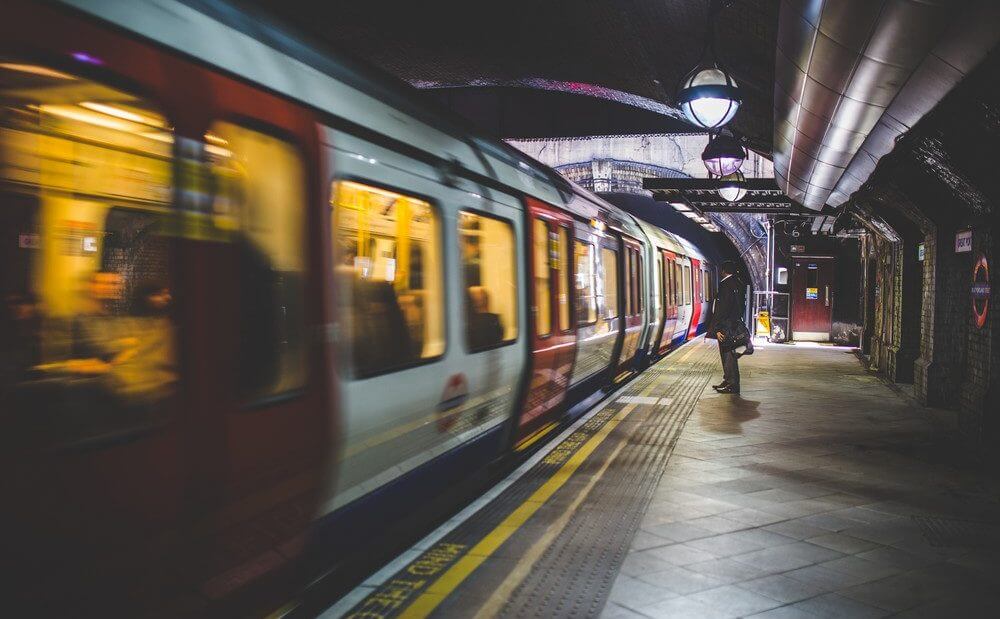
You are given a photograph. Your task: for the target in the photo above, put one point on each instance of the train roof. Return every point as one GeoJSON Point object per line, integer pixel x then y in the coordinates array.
{"type": "Point", "coordinates": [248, 46]}
{"type": "Point", "coordinates": [252, 48]}
{"type": "Point", "coordinates": [661, 238]}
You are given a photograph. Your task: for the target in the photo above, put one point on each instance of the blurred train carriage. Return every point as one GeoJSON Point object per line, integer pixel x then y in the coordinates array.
{"type": "Point", "coordinates": [273, 310]}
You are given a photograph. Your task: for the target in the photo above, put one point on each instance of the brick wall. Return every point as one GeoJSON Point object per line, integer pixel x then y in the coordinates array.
{"type": "Point", "coordinates": [921, 326]}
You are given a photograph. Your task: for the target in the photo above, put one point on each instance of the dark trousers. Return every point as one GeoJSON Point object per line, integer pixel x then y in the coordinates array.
{"type": "Point", "coordinates": [730, 367]}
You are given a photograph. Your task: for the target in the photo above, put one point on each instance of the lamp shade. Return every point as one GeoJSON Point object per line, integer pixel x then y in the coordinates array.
{"type": "Point", "coordinates": [733, 187]}
{"type": "Point", "coordinates": [723, 155]}
{"type": "Point", "coordinates": [709, 97]}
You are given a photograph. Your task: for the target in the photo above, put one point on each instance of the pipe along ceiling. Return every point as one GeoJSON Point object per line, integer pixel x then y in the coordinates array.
{"type": "Point", "coordinates": [853, 75]}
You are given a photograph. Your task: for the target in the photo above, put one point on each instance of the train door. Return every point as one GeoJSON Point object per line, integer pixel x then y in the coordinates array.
{"type": "Point", "coordinates": [658, 307]}
{"type": "Point", "coordinates": [632, 304]}
{"type": "Point", "coordinates": [812, 294]}
{"type": "Point", "coordinates": [553, 330]}
{"type": "Point", "coordinates": [261, 366]}
{"type": "Point", "coordinates": [670, 300]}
{"type": "Point", "coordinates": [696, 296]}
{"type": "Point", "coordinates": [595, 276]}
{"type": "Point", "coordinates": [682, 272]}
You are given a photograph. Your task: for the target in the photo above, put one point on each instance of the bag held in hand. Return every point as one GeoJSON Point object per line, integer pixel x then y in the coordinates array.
{"type": "Point", "coordinates": [736, 337]}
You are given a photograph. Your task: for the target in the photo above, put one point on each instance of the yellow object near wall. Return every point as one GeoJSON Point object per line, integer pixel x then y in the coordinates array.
{"type": "Point", "coordinates": [763, 323]}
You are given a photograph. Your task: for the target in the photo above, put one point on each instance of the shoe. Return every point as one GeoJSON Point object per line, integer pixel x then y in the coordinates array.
{"type": "Point", "coordinates": [721, 385]}
{"type": "Point", "coordinates": [729, 389]}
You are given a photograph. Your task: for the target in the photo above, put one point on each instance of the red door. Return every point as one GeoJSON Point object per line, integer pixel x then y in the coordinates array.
{"type": "Point", "coordinates": [553, 330]}
{"type": "Point", "coordinates": [669, 287]}
{"type": "Point", "coordinates": [695, 297]}
{"type": "Point", "coordinates": [812, 299]}
{"type": "Point", "coordinates": [263, 380]}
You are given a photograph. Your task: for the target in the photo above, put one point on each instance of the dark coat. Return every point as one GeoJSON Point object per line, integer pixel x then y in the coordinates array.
{"type": "Point", "coordinates": [730, 305]}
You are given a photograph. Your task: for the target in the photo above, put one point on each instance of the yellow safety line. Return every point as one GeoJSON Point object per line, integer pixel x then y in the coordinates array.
{"type": "Point", "coordinates": [438, 591]}
{"type": "Point", "coordinates": [502, 593]}
{"type": "Point", "coordinates": [535, 436]}
{"type": "Point", "coordinates": [456, 574]}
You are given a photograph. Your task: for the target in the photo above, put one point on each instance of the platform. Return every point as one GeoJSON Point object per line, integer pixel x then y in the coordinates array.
{"type": "Point", "coordinates": [819, 491]}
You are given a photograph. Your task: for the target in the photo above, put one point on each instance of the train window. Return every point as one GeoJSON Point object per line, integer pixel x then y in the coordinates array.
{"type": "Point", "coordinates": [668, 277]}
{"type": "Point", "coordinates": [88, 335]}
{"type": "Point", "coordinates": [490, 280]}
{"type": "Point", "coordinates": [262, 181]}
{"type": "Point", "coordinates": [609, 262]}
{"type": "Point", "coordinates": [543, 275]}
{"type": "Point", "coordinates": [638, 282]}
{"type": "Point", "coordinates": [389, 273]}
{"type": "Point", "coordinates": [586, 299]}
{"type": "Point", "coordinates": [563, 274]}
{"type": "Point", "coordinates": [629, 280]}
{"type": "Point", "coordinates": [664, 282]}
{"type": "Point", "coordinates": [687, 285]}
{"type": "Point", "coordinates": [678, 285]}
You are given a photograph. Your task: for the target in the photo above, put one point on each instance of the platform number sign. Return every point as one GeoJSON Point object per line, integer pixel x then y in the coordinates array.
{"type": "Point", "coordinates": [980, 291]}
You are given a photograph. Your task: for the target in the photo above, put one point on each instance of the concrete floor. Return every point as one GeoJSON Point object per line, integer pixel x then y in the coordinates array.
{"type": "Point", "coordinates": [819, 492]}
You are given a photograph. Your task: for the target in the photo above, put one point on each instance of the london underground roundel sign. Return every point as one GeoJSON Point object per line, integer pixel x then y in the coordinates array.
{"type": "Point", "coordinates": [980, 290]}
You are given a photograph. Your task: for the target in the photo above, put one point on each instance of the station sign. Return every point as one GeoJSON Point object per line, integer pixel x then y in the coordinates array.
{"type": "Point", "coordinates": [980, 291]}
{"type": "Point", "coordinates": [963, 241]}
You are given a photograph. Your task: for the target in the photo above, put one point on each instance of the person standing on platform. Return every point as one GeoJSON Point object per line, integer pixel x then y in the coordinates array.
{"type": "Point", "coordinates": [726, 317]}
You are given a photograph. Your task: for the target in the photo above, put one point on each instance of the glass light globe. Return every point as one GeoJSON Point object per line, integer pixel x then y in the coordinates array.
{"type": "Point", "coordinates": [709, 97]}
{"type": "Point", "coordinates": [733, 187]}
{"type": "Point", "coordinates": [723, 155]}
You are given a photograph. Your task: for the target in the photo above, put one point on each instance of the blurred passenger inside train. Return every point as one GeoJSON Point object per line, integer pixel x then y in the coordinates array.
{"type": "Point", "coordinates": [146, 375]}
{"type": "Point", "coordinates": [485, 328]}
{"type": "Point", "coordinates": [108, 371]}
{"type": "Point", "coordinates": [411, 303]}
{"type": "Point", "coordinates": [133, 353]}
{"type": "Point", "coordinates": [381, 337]}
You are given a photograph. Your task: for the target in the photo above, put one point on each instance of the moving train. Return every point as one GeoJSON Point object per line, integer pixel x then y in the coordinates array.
{"type": "Point", "coordinates": [259, 303]}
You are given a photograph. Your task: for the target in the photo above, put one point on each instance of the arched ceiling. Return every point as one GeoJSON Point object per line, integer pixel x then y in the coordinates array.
{"type": "Point", "coordinates": [630, 52]}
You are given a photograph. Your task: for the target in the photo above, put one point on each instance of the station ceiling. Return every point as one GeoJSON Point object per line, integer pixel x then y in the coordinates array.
{"type": "Point", "coordinates": [481, 56]}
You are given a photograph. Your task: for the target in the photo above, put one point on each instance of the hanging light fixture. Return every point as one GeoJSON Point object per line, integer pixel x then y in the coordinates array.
{"type": "Point", "coordinates": [723, 155]}
{"type": "Point", "coordinates": [708, 95]}
{"type": "Point", "coordinates": [733, 187]}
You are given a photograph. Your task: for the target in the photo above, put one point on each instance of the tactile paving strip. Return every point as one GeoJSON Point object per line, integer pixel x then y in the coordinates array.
{"type": "Point", "coordinates": [573, 573]}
